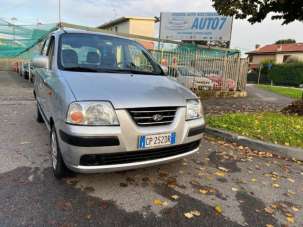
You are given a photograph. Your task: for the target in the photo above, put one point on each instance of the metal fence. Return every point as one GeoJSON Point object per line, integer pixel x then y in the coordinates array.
{"type": "Point", "coordinates": [199, 68]}
{"type": "Point", "coordinates": [200, 72]}
{"type": "Point", "coordinates": [195, 71]}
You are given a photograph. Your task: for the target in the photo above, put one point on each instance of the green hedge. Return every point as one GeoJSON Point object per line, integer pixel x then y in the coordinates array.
{"type": "Point", "coordinates": [252, 77]}
{"type": "Point", "coordinates": [287, 74]}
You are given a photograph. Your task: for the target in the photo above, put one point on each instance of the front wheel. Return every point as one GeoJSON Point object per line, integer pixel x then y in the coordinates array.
{"type": "Point", "coordinates": [58, 164]}
{"type": "Point", "coordinates": [39, 117]}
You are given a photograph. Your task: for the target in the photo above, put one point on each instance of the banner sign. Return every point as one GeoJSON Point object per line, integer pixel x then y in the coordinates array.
{"type": "Point", "coordinates": [195, 26]}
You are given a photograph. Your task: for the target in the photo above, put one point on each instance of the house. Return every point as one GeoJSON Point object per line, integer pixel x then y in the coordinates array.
{"type": "Point", "coordinates": [142, 26]}
{"type": "Point", "coordinates": [278, 53]}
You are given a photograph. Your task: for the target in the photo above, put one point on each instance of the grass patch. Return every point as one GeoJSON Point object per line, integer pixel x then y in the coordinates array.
{"type": "Point", "coordinates": [291, 92]}
{"type": "Point", "coordinates": [271, 127]}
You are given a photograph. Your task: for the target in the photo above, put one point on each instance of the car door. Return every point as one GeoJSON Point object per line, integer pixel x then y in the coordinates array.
{"type": "Point", "coordinates": [39, 84]}
{"type": "Point", "coordinates": [49, 79]}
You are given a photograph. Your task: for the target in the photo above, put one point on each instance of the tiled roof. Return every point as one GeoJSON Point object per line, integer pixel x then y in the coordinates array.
{"type": "Point", "coordinates": [278, 48]}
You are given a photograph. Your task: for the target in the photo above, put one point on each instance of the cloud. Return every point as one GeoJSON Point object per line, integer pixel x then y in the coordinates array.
{"type": "Point", "coordinates": [96, 12]}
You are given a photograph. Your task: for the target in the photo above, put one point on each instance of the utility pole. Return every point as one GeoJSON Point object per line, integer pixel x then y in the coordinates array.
{"type": "Point", "coordinates": [14, 19]}
{"type": "Point", "coordinates": [59, 12]}
{"type": "Point", "coordinates": [158, 19]}
{"type": "Point", "coordinates": [260, 71]}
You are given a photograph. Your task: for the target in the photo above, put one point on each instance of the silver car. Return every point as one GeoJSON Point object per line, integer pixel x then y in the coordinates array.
{"type": "Point", "coordinates": [109, 106]}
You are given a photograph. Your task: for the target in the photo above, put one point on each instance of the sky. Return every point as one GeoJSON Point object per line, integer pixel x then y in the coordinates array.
{"type": "Point", "coordinates": [96, 12]}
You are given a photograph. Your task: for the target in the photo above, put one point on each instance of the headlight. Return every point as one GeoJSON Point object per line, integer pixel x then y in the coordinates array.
{"type": "Point", "coordinates": [193, 109]}
{"type": "Point", "coordinates": [91, 113]}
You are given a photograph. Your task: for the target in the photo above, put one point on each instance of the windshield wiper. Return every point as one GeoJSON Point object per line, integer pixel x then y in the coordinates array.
{"type": "Point", "coordinates": [81, 69]}
{"type": "Point", "coordinates": [131, 71]}
{"type": "Point", "coordinates": [142, 72]}
{"type": "Point", "coordinates": [88, 69]}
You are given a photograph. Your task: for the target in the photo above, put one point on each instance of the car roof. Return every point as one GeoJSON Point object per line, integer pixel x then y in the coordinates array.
{"type": "Point", "coordinates": [73, 30]}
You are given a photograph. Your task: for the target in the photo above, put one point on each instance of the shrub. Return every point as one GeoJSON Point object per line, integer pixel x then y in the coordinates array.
{"type": "Point", "coordinates": [252, 77]}
{"type": "Point", "coordinates": [295, 108]}
{"type": "Point", "coordinates": [287, 74]}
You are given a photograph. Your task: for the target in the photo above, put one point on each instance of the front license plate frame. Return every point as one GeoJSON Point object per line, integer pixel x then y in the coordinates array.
{"type": "Point", "coordinates": [156, 140]}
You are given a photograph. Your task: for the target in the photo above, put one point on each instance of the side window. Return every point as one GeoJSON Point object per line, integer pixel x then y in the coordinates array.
{"type": "Point", "coordinates": [119, 56]}
{"type": "Point", "coordinates": [50, 50]}
{"type": "Point", "coordinates": [45, 47]}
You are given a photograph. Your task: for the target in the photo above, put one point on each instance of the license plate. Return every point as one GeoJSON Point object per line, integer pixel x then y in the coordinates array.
{"type": "Point", "coordinates": [156, 140]}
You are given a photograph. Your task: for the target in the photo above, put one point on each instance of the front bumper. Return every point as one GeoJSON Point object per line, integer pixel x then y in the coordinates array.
{"type": "Point", "coordinates": [128, 166]}
{"type": "Point", "coordinates": [94, 140]}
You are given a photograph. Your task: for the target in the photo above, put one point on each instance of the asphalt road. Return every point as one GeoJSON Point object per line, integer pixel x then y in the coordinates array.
{"type": "Point", "coordinates": [258, 100]}
{"type": "Point", "coordinates": [225, 185]}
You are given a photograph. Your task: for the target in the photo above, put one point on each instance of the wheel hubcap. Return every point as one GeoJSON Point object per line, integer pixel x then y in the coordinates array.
{"type": "Point", "coordinates": [54, 150]}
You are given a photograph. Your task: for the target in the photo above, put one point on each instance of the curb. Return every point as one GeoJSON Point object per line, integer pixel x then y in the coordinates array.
{"type": "Point", "coordinates": [283, 151]}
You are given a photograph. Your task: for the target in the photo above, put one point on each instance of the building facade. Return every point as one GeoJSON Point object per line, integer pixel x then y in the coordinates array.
{"type": "Point", "coordinates": [142, 26]}
{"type": "Point", "coordinates": [277, 53]}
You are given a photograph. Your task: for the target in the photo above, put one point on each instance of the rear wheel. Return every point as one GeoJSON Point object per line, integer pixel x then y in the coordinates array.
{"type": "Point", "coordinates": [58, 164]}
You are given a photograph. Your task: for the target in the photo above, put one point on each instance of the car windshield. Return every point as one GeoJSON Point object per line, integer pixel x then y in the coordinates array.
{"type": "Point", "coordinates": [102, 53]}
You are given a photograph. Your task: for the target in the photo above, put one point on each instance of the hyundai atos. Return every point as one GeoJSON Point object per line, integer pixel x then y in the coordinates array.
{"type": "Point", "coordinates": [109, 106]}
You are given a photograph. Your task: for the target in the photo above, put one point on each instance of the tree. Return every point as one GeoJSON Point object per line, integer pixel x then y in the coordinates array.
{"type": "Point", "coordinates": [257, 10]}
{"type": "Point", "coordinates": [285, 41]}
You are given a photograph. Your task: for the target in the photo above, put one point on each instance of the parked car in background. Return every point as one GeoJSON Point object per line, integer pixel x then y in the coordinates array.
{"type": "Point", "coordinates": [191, 78]}
{"type": "Point", "coordinates": [218, 82]}
{"type": "Point", "coordinates": [109, 106]}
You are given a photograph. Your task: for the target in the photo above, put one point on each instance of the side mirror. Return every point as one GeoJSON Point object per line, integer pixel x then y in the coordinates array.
{"type": "Point", "coordinates": [41, 62]}
{"type": "Point", "coordinates": [165, 69]}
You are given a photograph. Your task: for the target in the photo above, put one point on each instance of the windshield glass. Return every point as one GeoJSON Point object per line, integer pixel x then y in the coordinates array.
{"type": "Point", "coordinates": [101, 53]}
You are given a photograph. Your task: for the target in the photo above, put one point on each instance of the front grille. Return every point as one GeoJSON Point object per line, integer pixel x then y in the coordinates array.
{"type": "Point", "coordinates": [137, 156]}
{"type": "Point", "coordinates": [147, 116]}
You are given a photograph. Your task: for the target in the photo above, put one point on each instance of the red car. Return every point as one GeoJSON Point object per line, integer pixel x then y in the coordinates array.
{"type": "Point", "coordinates": [218, 82]}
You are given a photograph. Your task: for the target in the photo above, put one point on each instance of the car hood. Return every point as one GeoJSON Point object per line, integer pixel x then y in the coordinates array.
{"type": "Point", "coordinates": [127, 91]}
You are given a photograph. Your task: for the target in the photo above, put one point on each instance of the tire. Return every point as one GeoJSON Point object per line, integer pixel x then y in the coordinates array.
{"type": "Point", "coordinates": [39, 117]}
{"type": "Point", "coordinates": [59, 168]}
{"type": "Point", "coordinates": [32, 78]}
{"type": "Point", "coordinates": [25, 75]}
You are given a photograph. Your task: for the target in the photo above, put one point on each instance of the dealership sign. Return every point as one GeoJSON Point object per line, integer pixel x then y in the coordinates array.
{"type": "Point", "coordinates": [195, 26]}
